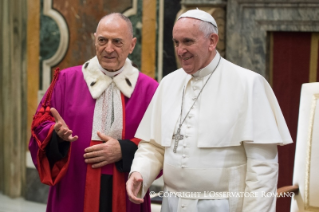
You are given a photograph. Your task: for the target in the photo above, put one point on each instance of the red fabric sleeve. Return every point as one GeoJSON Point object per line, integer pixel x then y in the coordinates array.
{"type": "Point", "coordinates": [47, 175]}
{"type": "Point", "coordinates": [136, 141]}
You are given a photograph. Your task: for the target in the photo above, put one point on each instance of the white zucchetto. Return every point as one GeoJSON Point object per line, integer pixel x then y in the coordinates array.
{"type": "Point", "coordinates": [200, 15]}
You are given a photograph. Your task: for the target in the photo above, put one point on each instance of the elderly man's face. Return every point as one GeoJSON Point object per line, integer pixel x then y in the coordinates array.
{"type": "Point", "coordinates": [113, 42]}
{"type": "Point", "coordinates": [193, 48]}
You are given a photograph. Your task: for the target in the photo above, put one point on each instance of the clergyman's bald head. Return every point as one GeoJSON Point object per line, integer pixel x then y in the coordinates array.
{"type": "Point", "coordinates": [121, 16]}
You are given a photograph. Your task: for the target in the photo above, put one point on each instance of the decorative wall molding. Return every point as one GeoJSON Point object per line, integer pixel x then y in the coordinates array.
{"type": "Point", "coordinates": [277, 5]}
{"type": "Point", "coordinates": [300, 23]}
{"type": "Point", "coordinates": [212, 3]}
{"type": "Point", "coordinates": [63, 46]}
{"type": "Point", "coordinates": [288, 25]}
{"type": "Point", "coordinates": [131, 11]}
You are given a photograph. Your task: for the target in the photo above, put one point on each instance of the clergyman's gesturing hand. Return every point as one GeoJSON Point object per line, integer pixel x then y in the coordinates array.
{"type": "Point", "coordinates": [105, 153]}
{"type": "Point", "coordinates": [61, 128]}
{"type": "Point", "coordinates": [133, 186]}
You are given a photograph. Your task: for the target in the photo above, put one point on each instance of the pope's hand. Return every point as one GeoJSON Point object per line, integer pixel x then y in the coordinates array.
{"type": "Point", "coordinates": [133, 186]}
{"type": "Point", "coordinates": [105, 153]}
{"type": "Point", "coordinates": [61, 128]}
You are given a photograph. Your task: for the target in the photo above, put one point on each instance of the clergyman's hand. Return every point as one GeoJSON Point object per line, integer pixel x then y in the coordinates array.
{"type": "Point", "coordinates": [133, 186]}
{"type": "Point", "coordinates": [61, 128]}
{"type": "Point", "coordinates": [105, 153]}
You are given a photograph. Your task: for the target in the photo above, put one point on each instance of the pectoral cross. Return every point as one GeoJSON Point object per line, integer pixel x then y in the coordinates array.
{"type": "Point", "coordinates": [177, 138]}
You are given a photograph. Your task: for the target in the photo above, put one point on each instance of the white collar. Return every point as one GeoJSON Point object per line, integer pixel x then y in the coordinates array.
{"type": "Point", "coordinates": [97, 81]}
{"type": "Point", "coordinates": [109, 73]}
{"type": "Point", "coordinates": [209, 68]}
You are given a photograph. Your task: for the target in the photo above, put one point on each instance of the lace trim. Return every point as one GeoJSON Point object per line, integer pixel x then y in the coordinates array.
{"type": "Point", "coordinates": [108, 114]}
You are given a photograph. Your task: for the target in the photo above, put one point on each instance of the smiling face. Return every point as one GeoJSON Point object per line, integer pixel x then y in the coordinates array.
{"type": "Point", "coordinates": [194, 49]}
{"type": "Point", "coordinates": [113, 42]}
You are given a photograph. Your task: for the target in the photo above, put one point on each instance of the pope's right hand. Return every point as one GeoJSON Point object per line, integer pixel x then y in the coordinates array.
{"type": "Point", "coordinates": [133, 186]}
{"type": "Point", "coordinates": [61, 128]}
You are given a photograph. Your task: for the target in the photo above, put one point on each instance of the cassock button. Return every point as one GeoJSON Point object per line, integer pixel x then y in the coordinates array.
{"type": "Point", "coordinates": [184, 145]}
{"type": "Point", "coordinates": [183, 166]}
{"type": "Point", "coordinates": [184, 156]}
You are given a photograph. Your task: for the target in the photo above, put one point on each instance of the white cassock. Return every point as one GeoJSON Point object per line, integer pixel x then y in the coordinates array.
{"type": "Point", "coordinates": [227, 160]}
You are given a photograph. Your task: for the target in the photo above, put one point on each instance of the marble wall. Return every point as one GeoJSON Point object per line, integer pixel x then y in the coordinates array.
{"type": "Point", "coordinates": [248, 22]}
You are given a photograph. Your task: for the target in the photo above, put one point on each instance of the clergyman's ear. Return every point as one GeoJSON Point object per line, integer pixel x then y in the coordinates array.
{"type": "Point", "coordinates": [213, 40]}
{"type": "Point", "coordinates": [133, 43]}
{"type": "Point", "coordinates": [94, 40]}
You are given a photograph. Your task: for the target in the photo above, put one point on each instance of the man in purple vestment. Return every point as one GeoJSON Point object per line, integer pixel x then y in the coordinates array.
{"type": "Point", "coordinates": [86, 153]}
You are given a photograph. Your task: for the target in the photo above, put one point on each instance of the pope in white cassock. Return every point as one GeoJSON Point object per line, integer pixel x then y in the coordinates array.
{"type": "Point", "coordinates": [213, 127]}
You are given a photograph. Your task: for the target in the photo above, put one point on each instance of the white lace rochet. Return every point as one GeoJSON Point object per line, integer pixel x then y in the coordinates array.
{"type": "Point", "coordinates": [108, 114]}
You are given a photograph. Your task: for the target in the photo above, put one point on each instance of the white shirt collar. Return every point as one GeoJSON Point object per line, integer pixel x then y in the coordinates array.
{"type": "Point", "coordinates": [209, 68]}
